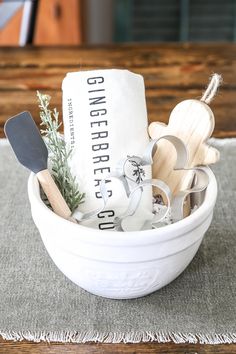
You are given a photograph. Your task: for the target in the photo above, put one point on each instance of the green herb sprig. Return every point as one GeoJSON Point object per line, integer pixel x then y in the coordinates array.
{"type": "Point", "coordinates": [59, 154]}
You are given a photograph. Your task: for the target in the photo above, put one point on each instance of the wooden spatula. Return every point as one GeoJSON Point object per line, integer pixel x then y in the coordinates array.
{"type": "Point", "coordinates": [32, 153]}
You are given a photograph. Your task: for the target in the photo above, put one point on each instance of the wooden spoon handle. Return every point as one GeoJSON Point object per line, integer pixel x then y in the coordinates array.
{"type": "Point", "coordinates": [54, 196]}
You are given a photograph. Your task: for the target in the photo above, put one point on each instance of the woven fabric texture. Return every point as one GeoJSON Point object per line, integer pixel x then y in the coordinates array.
{"type": "Point", "coordinates": [38, 302]}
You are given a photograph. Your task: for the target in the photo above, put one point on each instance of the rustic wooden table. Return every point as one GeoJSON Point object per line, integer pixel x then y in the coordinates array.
{"type": "Point", "coordinates": [172, 72]}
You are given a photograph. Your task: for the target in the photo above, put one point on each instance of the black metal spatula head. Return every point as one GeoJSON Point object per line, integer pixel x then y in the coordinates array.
{"type": "Point", "coordinates": [27, 142]}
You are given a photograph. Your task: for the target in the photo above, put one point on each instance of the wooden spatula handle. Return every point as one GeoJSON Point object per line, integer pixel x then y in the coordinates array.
{"type": "Point", "coordinates": [54, 195]}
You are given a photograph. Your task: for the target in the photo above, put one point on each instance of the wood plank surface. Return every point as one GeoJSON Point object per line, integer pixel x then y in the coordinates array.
{"type": "Point", "coordinates": [171, 72]}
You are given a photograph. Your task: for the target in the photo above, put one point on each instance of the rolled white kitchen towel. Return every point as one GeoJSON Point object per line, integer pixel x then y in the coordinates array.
{"type": "Point", "coordinates": [105, 120]}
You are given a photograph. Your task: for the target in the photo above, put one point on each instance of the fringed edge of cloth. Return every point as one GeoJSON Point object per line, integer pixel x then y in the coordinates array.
{"type": "Point", "coordinates": [118, 337]}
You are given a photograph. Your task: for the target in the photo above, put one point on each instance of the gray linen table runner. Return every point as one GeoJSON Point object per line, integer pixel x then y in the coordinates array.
{"type": "Point", "coordinates": [37, 302]}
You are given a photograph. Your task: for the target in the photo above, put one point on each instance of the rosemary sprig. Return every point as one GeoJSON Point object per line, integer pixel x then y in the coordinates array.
{"type": "Point", "coordinates": [59, 154]}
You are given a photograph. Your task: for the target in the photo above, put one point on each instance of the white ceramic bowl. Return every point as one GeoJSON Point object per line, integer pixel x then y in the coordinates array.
{"type": "Point", "coordinates": [122, 265]}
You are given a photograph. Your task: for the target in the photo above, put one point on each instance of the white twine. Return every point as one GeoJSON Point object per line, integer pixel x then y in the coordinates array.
{"type": "Point", "coordinates": [215, 81]}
